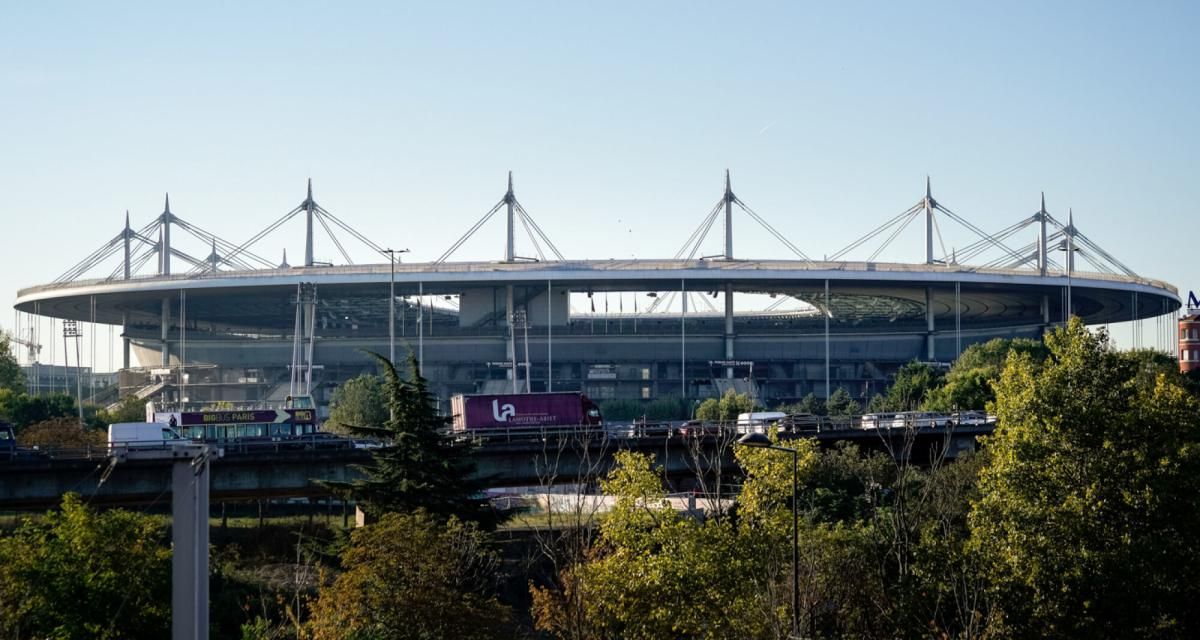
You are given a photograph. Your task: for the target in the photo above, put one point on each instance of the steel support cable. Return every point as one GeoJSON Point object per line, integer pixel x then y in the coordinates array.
{"type": "Point", "coordinates": [538, 228]}
{"type": "Point", "coordinates": [92, 259]}
{"type": "Point", "coordinates": [766, 225]}
{"type": "Point", "coordinates": [938, 231]}
{"type": "Point", "coordinates": [704, 235]}
{"type": "Point", "coordinates": [470, 232]}
{"type": "Point", "coordinates": [187, 257]}
{"type": "Point", "coordinates": [209, 240]}
{"type": "Point", "coordinates": [537, 248]}
{"type": "Point", "coordinates": [874, 232]}
{"type": "Point", "coordinates": [141, 260]}
{"type": "Point", "coordinates": [699, 232]}
{"type": "Point", "coordinates": [261, 234]}
{"type": "Point", "coordinates": [222, 243]}
{"type": "Point", "coordinates": [1098, 264]}
{"type": "Point", "coordinates": [979, 246]}
{"type": "Point", "coordinates": [337, 243]}
{"type": "Point", "coordinates": [351, 230]}
{"type": "Point", "coordinates": [134, 259]}
{"type": "Point", "coordinates": [980, 232]}
{"type": "Point", "coordinates": [1106, 255]}
{"type": "Point", "coordinates": [898, 231]}
{"type": "Point", "coordinates": [1022, 254]}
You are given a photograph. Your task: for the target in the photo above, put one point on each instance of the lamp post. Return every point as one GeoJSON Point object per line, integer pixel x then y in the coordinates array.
{"type": "Point", "coordinates": [761, 441]}
{"type": "Point", "coordinates": [392, 302]}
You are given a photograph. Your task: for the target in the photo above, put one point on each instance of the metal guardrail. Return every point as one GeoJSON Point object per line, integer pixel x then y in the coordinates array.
{"type": "Point", "coordinates": [792, 427]}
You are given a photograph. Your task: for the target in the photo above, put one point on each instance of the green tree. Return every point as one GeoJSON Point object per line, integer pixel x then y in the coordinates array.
{"type": "Point", "coordinates": [359, 402]}
{"type": "Point", "coordinates": [78, 573]}
{"type": "Point", "coordinates": [1086, 519]}
{"type": "Point", "coordinates": [808, 404]}
{"type": "Point", "coordinates": [727, 408]}
{"type": "Point", "coordinates": [23, 409]}
{"type": "Point", "coordinates": [418, 468]}
{"type": "Point", "coordinates": [841, 405]}
{"type": "Point", "coordinates": [129, 409]}
{"type": "Point", "coordinates": [968, 383]}
{"type": "Point", "coordinates": [659, 574]}
{"type": "Point", "coordinates": [413, 576]}
{"type": "Point", "coordinates": [913, 382]}
{"type": "Point", "coordinates": [11, 376]}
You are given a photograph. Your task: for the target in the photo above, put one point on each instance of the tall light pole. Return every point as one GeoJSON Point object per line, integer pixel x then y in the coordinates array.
{"type": "Point", "coordinates": [392, 302]}
{"type": "Point", "coordinates": [761, 441]}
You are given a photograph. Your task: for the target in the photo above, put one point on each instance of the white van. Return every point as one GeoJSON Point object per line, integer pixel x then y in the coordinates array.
{"type": "Point", "coordinates": [757, 422]}
{"type": "Point", "coordinates": [135, 435]}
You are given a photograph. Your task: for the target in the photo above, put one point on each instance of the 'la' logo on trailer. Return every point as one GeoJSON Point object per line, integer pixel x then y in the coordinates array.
{"type": "Point", "coordinates": [502, 412]}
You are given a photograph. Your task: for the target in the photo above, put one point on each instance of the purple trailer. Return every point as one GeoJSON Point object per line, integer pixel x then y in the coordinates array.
{"type": "Point", "coordinates": [523, 410]}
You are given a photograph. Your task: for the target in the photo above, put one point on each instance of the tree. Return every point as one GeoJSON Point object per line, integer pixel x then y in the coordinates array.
{"type": "Point", "coordinates": [78, 573]}
{"type": "Point", "coordinates": [841, 405]}
{"type": "Point", "coordinates": [1086, 520]}
{"type": "Point", "coordinates": [418, 468]}
{"type": "Point", "coordinates": [413, 576]}
{"type": "Point", "coordinates": [23, 409]}
{"type": "Point", "coordinates": [11, 376]}
{"type": "Point", "coordinates": [968, 383]}
{"type": "Point", "coordinates": [658, 574]}
{"type": "Point", "coordinates": [130, 409]}
{"type": "Point", "coordinates": [63, 433]}
{"type": "Point", "coordinates": [359, 402]}
{"type": "Point", "coordinates": [810, 404]}
{"type": "Point", "coordinates": [914, 381]}
{"type": "Point", "coordinates": [727, 408]}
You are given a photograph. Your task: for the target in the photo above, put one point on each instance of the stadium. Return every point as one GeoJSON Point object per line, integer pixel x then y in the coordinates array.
{"type": "Point", "coordinates": [234, 326]}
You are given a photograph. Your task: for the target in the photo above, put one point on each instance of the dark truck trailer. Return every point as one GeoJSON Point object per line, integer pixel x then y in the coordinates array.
{"type": "Point", "coordinates": [508, 411]}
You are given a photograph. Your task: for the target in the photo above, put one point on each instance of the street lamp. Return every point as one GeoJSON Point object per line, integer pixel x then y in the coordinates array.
{"type": "Point", "coordinates": [392, 302]}
{"type": "Point", "coordinates": [761, 441]}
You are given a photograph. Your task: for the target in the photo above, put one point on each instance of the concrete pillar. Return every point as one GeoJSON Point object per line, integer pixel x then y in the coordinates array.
{"type": "Point", "coordinates": [929, 325]}
{"type": "Point", "coordinates": [189, 558]}
{"type": "Point", "coordinates": [511, 348]}
{"type": "Point", "coordinates": [165, 326]}
{"type": "Point", "coordinates": [729, 354]}
{"type": "Point", "coordinates": [125, 340]}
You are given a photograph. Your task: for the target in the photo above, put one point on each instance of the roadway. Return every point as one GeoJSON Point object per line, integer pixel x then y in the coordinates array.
{"type": "Point", "coordinates": [503, 458]}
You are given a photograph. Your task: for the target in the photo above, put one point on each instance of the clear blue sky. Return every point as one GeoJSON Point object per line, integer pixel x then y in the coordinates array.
{"type": "Point", "coordinates": [617, 119]}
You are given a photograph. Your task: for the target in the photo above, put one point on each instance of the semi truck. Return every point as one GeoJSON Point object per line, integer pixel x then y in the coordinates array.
{"type": "Point", "coordinates": [472, 412]}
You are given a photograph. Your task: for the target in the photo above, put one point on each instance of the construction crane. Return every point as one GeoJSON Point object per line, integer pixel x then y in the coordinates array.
{"type": "Point", "coordinates": [33, 349]}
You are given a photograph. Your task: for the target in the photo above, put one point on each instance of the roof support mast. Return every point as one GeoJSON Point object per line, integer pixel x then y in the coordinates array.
{"type": "Point", "coordinates": [729, 199]}
{"type": "Point", "coordinates": [928, 222]}
{"type": "Point", "coordinates": [127, 236]}
{"type": "Point", "coordinates": [509, 201]}
{"type": "Point", "coordinates": [1041, 217]}
{"type": "Point", "coordinates": [164, 251]}
{"type": "Point", "coordinates": [309, 206]}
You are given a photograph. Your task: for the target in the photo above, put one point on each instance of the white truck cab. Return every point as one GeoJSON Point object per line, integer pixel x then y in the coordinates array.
{"type": "Point", "coordinates": [140, 435]}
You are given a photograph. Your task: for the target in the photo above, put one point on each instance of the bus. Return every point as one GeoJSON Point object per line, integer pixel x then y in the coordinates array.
{"type": "Point", "coordinates": [297, 418]}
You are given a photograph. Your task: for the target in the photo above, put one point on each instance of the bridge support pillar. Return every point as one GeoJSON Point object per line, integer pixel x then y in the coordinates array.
{"type": "Point", "coordinates": [189, 557]}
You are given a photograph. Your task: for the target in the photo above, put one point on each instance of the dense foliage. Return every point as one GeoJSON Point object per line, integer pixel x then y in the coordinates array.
{"type": "Point", "coordinates": [77, 573]}
{"type": "Point", "coordinates": [11, 376]}
{"type": "Point", "coordinates": [411, 576]}
{"type": "Point", "coordinates": [417, 468]}
{"type": "Point", "coordinates": [726, 408]}
{"type": "Point", "coordinates": [359, 402]}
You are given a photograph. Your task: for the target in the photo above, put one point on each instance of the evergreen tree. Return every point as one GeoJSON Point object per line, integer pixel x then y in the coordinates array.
{"type": "Point", "coordinates": [418, 468]}
{"type": "Point", "coordinates": [11, 376]}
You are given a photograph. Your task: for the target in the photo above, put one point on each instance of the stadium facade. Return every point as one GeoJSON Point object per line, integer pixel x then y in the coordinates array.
{"type": "Point", "coordinates": [233, 327]}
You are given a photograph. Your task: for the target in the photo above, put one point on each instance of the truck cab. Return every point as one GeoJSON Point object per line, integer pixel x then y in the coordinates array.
{"type": "Point", "coordinates": [8, 441]}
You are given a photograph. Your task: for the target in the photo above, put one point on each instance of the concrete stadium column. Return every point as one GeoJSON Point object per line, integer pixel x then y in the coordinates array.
{"type": "Point", "coordinates": [124, 340]}
{"type": "Point", "coordinates": [929, 326]}
{"type": "Point", "coordinates": [511, 347]}
{"type": "Point", "coordinates": [729, 328]}
{"type": "Point", "coordinates": [1045, 313]}
{"type": "Point", "coordinates": [164, 327]}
